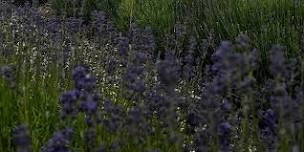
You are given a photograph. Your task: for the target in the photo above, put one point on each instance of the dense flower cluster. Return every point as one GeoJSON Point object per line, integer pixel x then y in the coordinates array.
{"type": "Point", "coordinates": [126, 93]}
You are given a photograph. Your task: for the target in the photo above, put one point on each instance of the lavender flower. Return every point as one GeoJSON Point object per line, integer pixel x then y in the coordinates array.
{"type": "Point", "coordinates": [224, 135]}
{"type": "Point", "coordinates": [82, 80]}
{"type": "Point", "coordinates": [68, 103]}
{"type": "Point", "coordinates": [137, 123]}
{"type": "Point", "coordinates": [200, 141]}
{"type": "Point", "coordinates": [169, 71]}
{"type": "Point", "coordinates": [226, 105]}
{"type": "Point", "coordinates": [277, 59]}
{"type": "Point", "coordinates": [123, 46]}
{"type": "Point", "coordinates": [116, 146]}
{"type": "Point", "coordinates": [80, 72]}
{"type": "Point", "coordinates": [193, 120]}
{"type": "Point", "coordinates": [8, 74]}
{"type": "Point", "coordinates": [22, 139]}
{"type": "Point", "coordinates": [87, 83]}
{"type": "Point", "coordinates": [101, 148]}
{"type": "Point", "coordinates": [268, 126]}
{"type": "Point", "coordinates": [59, 142]}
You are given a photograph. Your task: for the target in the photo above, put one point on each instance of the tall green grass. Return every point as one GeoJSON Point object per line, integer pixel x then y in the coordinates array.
{"type": "Point", "coordinates": [266, 22]}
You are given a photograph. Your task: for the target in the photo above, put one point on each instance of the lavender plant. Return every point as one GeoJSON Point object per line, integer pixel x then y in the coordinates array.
{"type": "Point", "coordinates": [86, 86]}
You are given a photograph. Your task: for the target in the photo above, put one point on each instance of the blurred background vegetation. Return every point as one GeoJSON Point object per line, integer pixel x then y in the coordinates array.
{"type": "Point", "coordinates": [266, 22]}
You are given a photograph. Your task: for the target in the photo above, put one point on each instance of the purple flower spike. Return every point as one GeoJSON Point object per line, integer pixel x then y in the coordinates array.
{"type": "Point", "coordinates": [59, 142]}
{"type": "Point", "coordinates": [80, 72]}
{"type": "Point", "coordinates": [22, 139]}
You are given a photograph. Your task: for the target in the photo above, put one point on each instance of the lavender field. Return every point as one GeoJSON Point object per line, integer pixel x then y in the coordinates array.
{"type": "Point", "coordinates": [103, 82]}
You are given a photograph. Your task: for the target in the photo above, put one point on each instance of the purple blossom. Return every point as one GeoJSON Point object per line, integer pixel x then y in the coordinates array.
{"type": "Point", "coordinates": [22, 139]}
{"type": "Point", "coordinates": [169, 71]}
{"type": "Point", "coordinates": [123, 46]}
{"type": "Point", "coordinates": [80, 72]}
{"type": "Point", "coordinates": [9, 75]}
{"type": "Point", "coordinates": [277, 59]}
{"type": "Point", "coordinates": [68, 101]}
{"type": "Point", "coordinates": [268, 127]}
{"type": "Point", "coordinates": [193, 120]}
{"type": "Point", "coordinates": [59, 142]}
{"type": "Point", "coordinates": [224, 134]}
{"type": "Point", "coordinates": [89, 106]}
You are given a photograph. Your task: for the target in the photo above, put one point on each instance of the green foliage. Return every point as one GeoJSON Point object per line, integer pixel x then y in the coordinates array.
{"type": "Point", "coordinates": [266, 22]}
{"type": "Point", "coordinates": [159, 14]}
{"type": "Point", "coordinates": [76, 8]}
